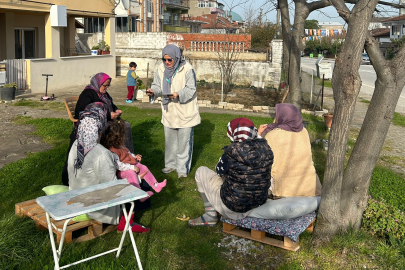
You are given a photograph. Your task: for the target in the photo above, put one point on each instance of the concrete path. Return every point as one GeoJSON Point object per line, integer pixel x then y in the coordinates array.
{"type": "Point", "coordinates": [393, 153]}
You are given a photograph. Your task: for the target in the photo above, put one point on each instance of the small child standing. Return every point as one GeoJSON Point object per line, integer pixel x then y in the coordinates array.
{"type": "Point", "coordinates": [131, 82]}
{"type": "Point", "coordinates": [128, 164]}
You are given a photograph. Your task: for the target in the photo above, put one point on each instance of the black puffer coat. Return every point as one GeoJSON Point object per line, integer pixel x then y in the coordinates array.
{"type": "Point", "coordinates": [247, 180]}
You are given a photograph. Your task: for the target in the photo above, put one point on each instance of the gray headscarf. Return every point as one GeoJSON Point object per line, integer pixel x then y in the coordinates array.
{"type": "Point", "coordinates": [174, 52]}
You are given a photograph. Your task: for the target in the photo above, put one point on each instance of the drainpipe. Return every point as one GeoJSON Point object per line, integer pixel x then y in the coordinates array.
{"type": "Point", "coordinates": [157, 16]}
{"type": "Point", "coordinates": [145, 16]}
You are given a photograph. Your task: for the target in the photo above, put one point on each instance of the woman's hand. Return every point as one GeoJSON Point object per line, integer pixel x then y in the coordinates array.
{"type": "Point", "coordinates": [136, 169]}
{"type": "Point", "coordinates": [115, 115]}
{"type": "Point", "coordinates": [150, 92]}
{"type": "Point", "coordinates": [261, 129]}
{"type": "Point", "coordinates": [138, 158]}
{"type": "Point", "coordinates": [174, 95]}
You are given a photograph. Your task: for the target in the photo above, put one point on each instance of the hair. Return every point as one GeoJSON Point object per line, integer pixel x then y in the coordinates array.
{"type": "Point", "coordinates": [114, 134]}
{"type": "Point", "coordinates": [133, 64]}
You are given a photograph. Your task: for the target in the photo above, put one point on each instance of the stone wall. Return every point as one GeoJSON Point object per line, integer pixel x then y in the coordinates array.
{"type": "Point", "coordinates": [146, 48]}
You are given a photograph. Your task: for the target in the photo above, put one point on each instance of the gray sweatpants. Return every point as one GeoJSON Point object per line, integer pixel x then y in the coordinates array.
{"type": "Point", "coordinates": [179, 148]}
{"type": "Point", "coordinates": [210, 183]}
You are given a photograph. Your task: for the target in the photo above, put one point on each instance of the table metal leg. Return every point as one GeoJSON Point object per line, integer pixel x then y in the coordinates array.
{"type": "Point", "coordinates": [131, 235]}
{"type": "Point", "coordinates": [56, 253]}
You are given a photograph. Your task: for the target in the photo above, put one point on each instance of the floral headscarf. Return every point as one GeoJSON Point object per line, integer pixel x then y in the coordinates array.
{"type": "Point", "coordinates": [95, 84]}
{"type": "Point", "coordinates": [174, 52]}
{"type": "Point", "coordinates": [288, 118]}
{"type": "Point", "coordinates": [89, 126]}
{"type": "Point", "coordinates": [241, 129]}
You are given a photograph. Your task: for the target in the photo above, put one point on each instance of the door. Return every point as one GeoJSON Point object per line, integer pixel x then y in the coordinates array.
{"type": "Point", "coordinates": [24, 43]}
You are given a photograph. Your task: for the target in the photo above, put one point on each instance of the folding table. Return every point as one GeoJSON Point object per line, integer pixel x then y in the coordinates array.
{"type": "Point", "coordinates": [73, 203]}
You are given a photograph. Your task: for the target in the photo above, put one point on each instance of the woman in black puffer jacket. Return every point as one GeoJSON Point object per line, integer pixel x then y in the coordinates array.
{"type": "Point", "coordinates": [243, 176]}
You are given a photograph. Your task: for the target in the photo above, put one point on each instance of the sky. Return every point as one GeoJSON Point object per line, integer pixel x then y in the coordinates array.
{"type": "Point", "coordinates": [327, 14]}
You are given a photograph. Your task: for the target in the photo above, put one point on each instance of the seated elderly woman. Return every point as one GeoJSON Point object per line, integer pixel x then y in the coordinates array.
{"type": "Point", "coordinates": [97, 91]}
{"type": "Point", "coordinates": [242, 180]}
{"type": "Point", "coordinates": [293, 172]}
{"type": "Point", "coordinates": [89, 163]}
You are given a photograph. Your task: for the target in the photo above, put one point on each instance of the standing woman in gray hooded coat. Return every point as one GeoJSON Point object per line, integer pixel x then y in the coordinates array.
{"type": "Point", "coordinates": [175, 82]}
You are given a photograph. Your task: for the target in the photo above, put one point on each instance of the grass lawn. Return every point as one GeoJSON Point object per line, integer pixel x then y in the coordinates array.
{"type": "Point", "coordinates": [170, 244]}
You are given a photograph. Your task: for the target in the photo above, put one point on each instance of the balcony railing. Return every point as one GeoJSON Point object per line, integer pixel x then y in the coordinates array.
{"type": "Point", "coordinates": [182, 3]}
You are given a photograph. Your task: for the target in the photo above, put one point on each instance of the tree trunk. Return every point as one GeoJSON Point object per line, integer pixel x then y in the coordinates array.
{"type": "Point", "coordinates": [301, 13]}
{"type": "Point", "coordinates": [286, 32]}
{"type": "Point", "coordinates": [346, 85]}
{"type": "Point", "coordinates": [389, 84]}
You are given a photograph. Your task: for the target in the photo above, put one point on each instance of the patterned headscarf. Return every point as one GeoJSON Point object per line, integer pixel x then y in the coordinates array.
{"type": "Point", "coordinates": [89, 126]}
{"type": "Point", "coordinates": [241, 129]}
{"type": "Point", "coordinates": [288, 118]}
{"type": "Point", "coordinates": [174, 52]}
{"type": "Point", "coordinates": [95, 84]}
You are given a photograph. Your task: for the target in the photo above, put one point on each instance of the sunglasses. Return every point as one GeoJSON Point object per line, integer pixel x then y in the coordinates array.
{"type": "Point", "coordinates": [167, 59]}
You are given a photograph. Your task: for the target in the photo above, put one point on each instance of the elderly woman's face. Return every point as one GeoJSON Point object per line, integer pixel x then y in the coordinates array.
{"type": "Point", "coordinates": [105, 86]}
{"type": "Point", "coordinates": [169, 62]}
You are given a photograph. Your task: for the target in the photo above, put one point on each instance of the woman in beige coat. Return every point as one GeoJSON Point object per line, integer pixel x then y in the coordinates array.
{"type": "Point", "coordinates": [293, 172]}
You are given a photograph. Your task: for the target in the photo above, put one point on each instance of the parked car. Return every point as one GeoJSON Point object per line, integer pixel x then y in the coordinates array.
{"type": "Point", "coordinates": [366, 59]}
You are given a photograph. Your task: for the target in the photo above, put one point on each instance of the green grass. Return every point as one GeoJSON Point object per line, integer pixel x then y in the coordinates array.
{"type": "Point", "coordinates": [170, 244]}
{"type": "Point", "coordinates": [399, 120]}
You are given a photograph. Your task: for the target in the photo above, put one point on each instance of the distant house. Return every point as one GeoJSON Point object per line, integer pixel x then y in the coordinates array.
{"type": "Point", "coordinates": [215, 24]}
{"type": "Point", "coordinates": [377, 22]}
{"type": "Point", "coordinates": [396, 25]}
{"type": "Point", "coordinates": [330, 25]}
{"type": "Point", "coordinates": [382, 35]}
{"type": "Point", "coordinates": [204, 7]}
{"type": "Point", "coordinates": [39, 38]}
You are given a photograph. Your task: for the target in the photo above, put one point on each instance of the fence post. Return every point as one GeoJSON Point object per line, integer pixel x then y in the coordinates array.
{"type": "Point", "coordinates": [312, 84]}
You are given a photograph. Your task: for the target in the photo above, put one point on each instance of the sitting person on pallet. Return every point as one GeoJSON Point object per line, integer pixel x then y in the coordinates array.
{"type": "Point", "coordinates": [89, 163]}
{"type": "Point", "coordinates": [293, 172]}
{"type": "Point", "coordinates": [128, 163]}
{"type": "Point", "coordinates": [243, 178]}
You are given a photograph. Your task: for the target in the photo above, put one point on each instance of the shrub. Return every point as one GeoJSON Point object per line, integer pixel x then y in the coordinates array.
{"type": "Point", "coordinates": [383, 219]}
{"type": "Point", "coordinates": [9, 85]}
{"type": "Point", "coordinates": [388, 185]}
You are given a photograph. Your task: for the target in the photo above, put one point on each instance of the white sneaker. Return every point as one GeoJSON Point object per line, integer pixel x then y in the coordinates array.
{"type": "Point", "coordinates": [168, 170]}
{"type": "Point", "coordinates": [181, 175]}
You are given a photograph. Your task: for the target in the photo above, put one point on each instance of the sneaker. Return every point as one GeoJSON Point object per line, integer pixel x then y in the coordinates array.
{"type": "Point", "coordinates": [181, 175]}
{"type": "Point", "coordinates": [168, 170]}
{"type": "Point", "coordinates": [128, 101]}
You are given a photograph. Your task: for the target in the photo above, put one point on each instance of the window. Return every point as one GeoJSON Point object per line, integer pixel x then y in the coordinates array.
{"type": "Point", "coordinates": [94, 25]}
{"type": "Point", "coordinates": [121, 24]}
{"type": "Point", "coordinates": [167, 18]}
{"type": "Point", "coordinates": [395, 30]}
{"type": "Point", "coordinates": [24, 43]}
{"type": "Point", "coordinates": [149, 6]}
{"type": "Point", "coordinates": [149, 26]}
{"type": "Point", "coordinates": [176, 19]}
{"type": "Point", "coordinates": [132, 26]}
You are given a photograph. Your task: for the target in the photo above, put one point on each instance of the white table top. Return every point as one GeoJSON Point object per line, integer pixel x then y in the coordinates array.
{"type": "Point", "coordinates": [89, 199]}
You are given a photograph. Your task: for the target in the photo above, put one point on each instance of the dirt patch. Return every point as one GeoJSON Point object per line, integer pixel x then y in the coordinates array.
{"type": "Point", "coordinates": [240, 95]}
{"type": "Point", "coordinates": [16, 141]}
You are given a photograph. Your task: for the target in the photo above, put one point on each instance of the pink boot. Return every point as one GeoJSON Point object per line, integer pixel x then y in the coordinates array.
{"type": "Point", "coordinates": [149, 178]}
{"type": "Point", "coordinates": [158, 186]}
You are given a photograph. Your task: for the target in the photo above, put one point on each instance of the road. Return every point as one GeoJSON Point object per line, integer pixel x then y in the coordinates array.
{"type": "Point", "coordinates": [367, 75]}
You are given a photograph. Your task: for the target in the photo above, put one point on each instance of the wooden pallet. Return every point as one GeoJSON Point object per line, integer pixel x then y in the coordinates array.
{"type": "Point", "coordinates": [33, 210]}
{"type": "Point", "coordinates": [262, 237]}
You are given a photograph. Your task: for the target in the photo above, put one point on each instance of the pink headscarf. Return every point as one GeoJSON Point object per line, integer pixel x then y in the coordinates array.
{"type": "Point", "coordinates": [288, 118]}
{"type": "Point", "coordinates": [95, 84]}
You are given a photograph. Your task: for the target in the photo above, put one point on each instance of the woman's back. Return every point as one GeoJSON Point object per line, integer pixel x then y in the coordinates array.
{"type": "Point", "coordinates": [293, 170]}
